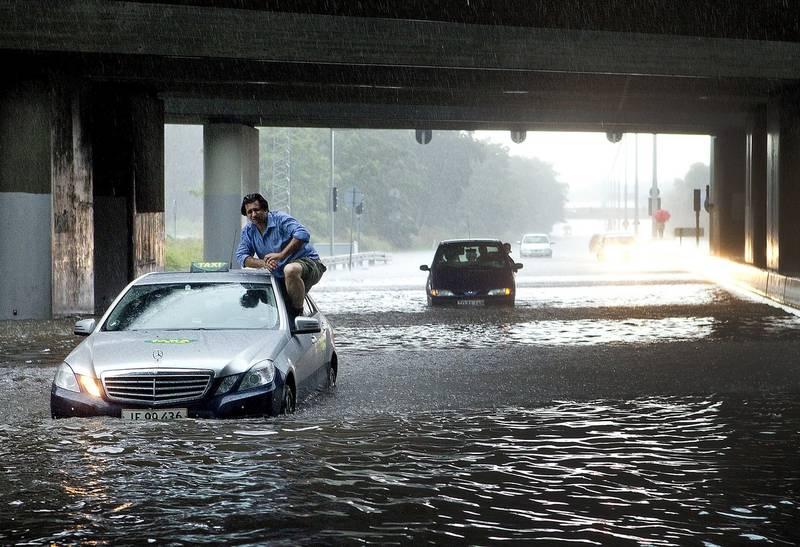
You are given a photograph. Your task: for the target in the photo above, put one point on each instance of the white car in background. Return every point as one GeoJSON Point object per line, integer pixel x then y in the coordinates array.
{"type": "Point", "coordinates": [535, 245]}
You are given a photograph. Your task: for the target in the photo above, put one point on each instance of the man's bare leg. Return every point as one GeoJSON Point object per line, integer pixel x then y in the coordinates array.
{"type": "Point", "coordinates": [294, 285]}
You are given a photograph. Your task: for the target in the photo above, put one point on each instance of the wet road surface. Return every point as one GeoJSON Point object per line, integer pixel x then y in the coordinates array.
{"type": "Point", "coordinates": [644, 407]}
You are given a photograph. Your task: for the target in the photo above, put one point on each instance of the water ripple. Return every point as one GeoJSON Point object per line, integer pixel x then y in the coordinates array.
{"type": "Point", "coordinates": [649, 471]}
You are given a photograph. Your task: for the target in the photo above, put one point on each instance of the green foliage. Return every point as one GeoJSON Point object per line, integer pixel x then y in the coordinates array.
{"type": "Point", "coordinates": [455, 186]}
{"type": "Point", "coordinates": [181, 252]}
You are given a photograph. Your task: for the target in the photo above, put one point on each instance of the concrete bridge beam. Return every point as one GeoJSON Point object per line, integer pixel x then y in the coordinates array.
{"type": "Point", "coordinates": [230, 155]}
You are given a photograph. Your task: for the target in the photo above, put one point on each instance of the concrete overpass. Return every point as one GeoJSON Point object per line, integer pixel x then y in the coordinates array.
{"type": "Point", "coordinates": [89, 85]}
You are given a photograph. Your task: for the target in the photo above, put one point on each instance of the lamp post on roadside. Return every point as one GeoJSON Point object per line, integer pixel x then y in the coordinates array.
{"type": "Point", "coordinates": [625, 191]}
{"type": "Point", "coordinates": [332, 209]}
{"type": "Point", "coordinates": [636, 184]}
{"type": "Point", "coordinates": [655, 201]}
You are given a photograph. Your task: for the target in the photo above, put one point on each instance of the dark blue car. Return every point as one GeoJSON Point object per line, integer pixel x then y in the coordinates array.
{"type": "Point", "coordinates": [471, 272]}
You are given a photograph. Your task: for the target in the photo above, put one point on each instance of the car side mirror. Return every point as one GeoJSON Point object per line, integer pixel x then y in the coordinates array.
{"type": "Point", "coordinates": [424, 268]}
{"type": "Point", "coordinates": [84, 327]}
{"type": "Point", "coordinates": [517, 266]}
{"type": "Point", "coordinates": [306, 325]}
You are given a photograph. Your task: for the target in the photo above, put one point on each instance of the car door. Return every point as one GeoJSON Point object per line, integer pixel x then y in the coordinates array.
{"type": "Point", "coordinates": [309, 366]}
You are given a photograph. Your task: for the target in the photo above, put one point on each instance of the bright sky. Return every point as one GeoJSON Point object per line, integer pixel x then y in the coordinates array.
{"type": "Point", "coordinates": [589, 160]}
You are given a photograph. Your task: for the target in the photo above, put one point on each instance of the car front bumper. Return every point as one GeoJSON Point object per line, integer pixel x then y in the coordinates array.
{"type": "Point", "coordinates": [259, 401]}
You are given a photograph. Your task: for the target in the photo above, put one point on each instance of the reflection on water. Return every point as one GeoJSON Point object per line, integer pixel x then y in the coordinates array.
{"type": "Point", "coordinates": [539, 333]}
{"type": "Point", "coordinates": [658, 471]}
{"type": "Point", "coordinates": [584, 296]}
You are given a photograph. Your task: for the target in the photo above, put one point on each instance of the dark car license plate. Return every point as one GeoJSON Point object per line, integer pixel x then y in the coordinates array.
{"type": "Point", "coordinates": [470, 302]}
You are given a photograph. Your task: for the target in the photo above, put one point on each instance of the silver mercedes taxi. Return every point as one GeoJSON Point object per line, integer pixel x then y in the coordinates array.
{"type": "Point", "coordinates": [197, 345]}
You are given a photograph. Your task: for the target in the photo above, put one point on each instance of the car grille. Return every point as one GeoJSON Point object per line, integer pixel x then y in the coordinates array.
{"type": "Point", "coordinates": [156, 387]}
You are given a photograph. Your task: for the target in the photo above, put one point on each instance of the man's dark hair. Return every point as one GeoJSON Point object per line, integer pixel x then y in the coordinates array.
{"type": "Point", "coordinates": [252, 198]}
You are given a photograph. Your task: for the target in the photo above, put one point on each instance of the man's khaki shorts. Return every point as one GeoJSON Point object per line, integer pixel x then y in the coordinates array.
{"type": "Point", "coordinates": [312, 271]}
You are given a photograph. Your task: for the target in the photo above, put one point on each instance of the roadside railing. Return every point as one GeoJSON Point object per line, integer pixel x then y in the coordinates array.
{"type": "Point", "coordinates": [356, 260]}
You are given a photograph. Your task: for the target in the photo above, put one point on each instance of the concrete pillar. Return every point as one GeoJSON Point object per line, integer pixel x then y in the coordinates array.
{"type": "Point", "coordinates": [73, 207]}
{"type": "Point", "coordinates": [783, 185]}
{"type": "Point", "coordinates": [128, 131]}
{"type": "Point", "coordinates": [727, 215]}
{"type": "Point", "coordinates": [230, 155]}
{"type": "Point", "coordinates": [755, 221]}
{"type": "Point", "coordinates": [25, 202]}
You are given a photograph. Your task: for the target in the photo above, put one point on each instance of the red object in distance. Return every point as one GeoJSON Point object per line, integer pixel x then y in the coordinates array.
{"type": "Point", "coordinates": [661, 215]}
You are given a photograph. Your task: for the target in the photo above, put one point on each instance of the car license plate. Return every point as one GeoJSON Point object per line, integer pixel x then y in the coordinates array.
{"type": "Point", "coordinates": [153, 414]}
{"type": "Point", "coordinates": [470, 302]}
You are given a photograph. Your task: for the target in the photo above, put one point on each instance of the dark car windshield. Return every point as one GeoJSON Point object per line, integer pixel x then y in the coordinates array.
{"type": "Point", "coordinates": [465, 255]}
{"type": "Point", "coordinates": [173, 306]}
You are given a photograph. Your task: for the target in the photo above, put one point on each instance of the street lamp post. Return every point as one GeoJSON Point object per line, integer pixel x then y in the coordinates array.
{"type": "Point", "coordinates": [654, 199]}
{"type": "Point", "coordinates": [636, 184]}
{"type": "Point", "coordinates": [332, 193]}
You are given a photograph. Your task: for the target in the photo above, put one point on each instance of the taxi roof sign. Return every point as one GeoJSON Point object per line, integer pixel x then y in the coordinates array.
{"type": "Point", "coordinates": [198, 267]}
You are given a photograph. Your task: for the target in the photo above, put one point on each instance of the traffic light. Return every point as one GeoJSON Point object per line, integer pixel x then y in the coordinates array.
{"type": "Point", "coordinates": [334, 198]}
{"type": "Point", "coordinates": [360, 208]}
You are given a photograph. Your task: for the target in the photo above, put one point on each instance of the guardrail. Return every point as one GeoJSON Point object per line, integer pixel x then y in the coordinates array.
{"type": "Point", "coordinates": [358, 260]}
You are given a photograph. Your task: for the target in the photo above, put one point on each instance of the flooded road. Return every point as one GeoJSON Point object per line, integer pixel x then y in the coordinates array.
{"type": "Point", "coordinates": [644, 407]}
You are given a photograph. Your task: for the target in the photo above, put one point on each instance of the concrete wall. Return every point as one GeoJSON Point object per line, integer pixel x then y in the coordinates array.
{"type": "Point", "coordinates": [24, 256]}
{"type": "Point", "coordinates": [25, 202]}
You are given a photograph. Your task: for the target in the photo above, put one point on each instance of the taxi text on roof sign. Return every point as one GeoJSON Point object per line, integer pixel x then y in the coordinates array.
{"type": "Point", "coordinates": [209, 267]}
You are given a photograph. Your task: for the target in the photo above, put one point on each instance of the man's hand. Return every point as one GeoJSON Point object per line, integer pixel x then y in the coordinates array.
{"type": "Point", "coordinates": [271, 261]}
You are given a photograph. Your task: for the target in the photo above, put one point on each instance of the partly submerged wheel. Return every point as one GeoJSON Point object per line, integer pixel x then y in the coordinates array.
{"type": "Point", "coordinates": [289, 399]}
{"type": "Point", "coordinates": [330, 383]}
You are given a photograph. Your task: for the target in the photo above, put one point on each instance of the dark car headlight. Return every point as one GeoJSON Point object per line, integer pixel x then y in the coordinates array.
{"type": "Point", "coordinates": [260, 374]}
{"type": "Point", "coordinates": [500, 292]}
{"type": "Point", "coordinates": [441, 292]}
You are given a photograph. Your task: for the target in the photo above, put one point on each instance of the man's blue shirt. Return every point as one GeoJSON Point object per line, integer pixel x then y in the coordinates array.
{"type": "Point", "coordinates": [281, 228]}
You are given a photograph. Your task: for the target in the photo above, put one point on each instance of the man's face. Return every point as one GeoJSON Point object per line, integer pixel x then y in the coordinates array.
{"type": "Point", "coordinates": [255, 213]}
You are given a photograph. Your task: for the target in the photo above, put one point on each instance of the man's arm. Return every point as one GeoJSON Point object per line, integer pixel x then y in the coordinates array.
{"type": "Point", "coordinates": [245, 250]}
{"type": "Point", "coordinates": [271, 260]}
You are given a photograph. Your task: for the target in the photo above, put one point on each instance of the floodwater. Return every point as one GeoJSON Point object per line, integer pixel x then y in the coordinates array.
{"type": "Point", "coordinates": [658, 410]}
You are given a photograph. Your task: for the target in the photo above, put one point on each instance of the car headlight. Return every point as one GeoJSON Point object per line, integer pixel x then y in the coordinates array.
{"type": "Point", "coordinates": [90, 385]}
{"type": "Point", "coordinates": [260, 374]}
{"type": "Point", "coordinates": [500, 292]}
{"type": "Point", "coordinates": [227, 383]}
{"type": "Point", "coordinates": [441, 292]}
{"type": "Point", "coordinates": [65, 378]}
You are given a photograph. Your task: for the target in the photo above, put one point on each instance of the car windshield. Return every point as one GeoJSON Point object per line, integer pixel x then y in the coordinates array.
{"type": "Point", "coordinates": [534, 239]}
{"type": "Point", "coordinates": [465, 255]}
{"type": "Point", "coordinates": [190, 306]}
